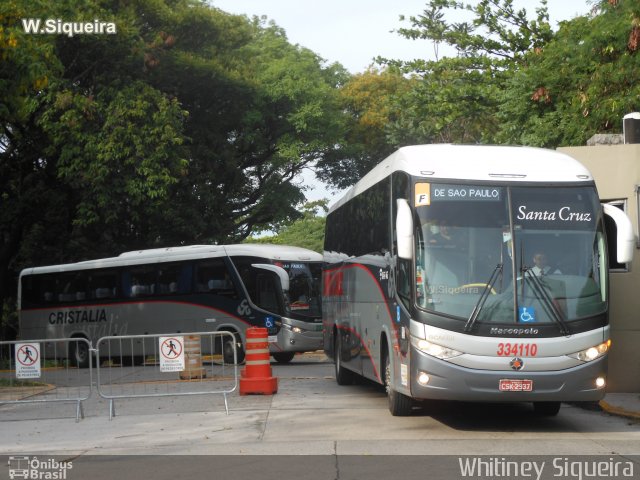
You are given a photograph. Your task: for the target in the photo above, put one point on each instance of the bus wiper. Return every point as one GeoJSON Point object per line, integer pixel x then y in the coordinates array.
{"type": "Point", "coordinates": [488, 286]}
{"type": "Point", "coordinates": [547, 301]}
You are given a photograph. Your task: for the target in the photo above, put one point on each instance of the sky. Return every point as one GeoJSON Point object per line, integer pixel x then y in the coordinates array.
{"type": "Point", "coordinates": [354, 32]}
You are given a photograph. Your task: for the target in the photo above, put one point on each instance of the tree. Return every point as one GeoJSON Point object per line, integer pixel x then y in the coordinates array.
{"type": "Point", "coordinates": [275, 115]}
{"type": "Point", "coordinates": [457, 98]}
{"type": "Point", "coordinates": [370, 101]}
{"type": "Point", "coordinates": [580, 84]}
{"type": "Point", "coordinates": [188, 125]}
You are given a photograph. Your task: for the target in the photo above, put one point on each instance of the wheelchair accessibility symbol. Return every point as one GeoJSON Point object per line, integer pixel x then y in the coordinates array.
{"type": "Point", "coordinates": [268, 322]}
{"type": "Point", "coordinates": [526, 314]}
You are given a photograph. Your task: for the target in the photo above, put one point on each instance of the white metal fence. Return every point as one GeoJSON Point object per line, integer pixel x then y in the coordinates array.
{"type": "Point", "coordinates": [135, 366]}
{"type": "Point", "coordinates": [41, 371]}
{"type": "Point", "coordinates": [132, 366]}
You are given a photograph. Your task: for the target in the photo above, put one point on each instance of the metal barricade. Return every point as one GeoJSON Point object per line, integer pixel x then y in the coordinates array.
{"type": "Point", "coordinates": [42, 371]}
{"type": "Point", "coordinates": [135, 366]}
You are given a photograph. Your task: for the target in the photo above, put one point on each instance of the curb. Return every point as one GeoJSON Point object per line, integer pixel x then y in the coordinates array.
{"type": "Point", "coordinates": [607, 407]}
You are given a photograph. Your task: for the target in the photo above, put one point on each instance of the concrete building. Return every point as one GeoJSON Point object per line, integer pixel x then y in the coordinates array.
{"type": "Point", "coordinates": [616, 169]}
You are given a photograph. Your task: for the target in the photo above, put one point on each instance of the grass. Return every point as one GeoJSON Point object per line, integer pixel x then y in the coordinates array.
{"type": "Point", "coordinates": [4, 382]}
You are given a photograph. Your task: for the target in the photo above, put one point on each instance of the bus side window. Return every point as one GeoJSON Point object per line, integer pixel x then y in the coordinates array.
{"type": "Point", "coordinates": [72, 287]}
{"type": "Point", "coordinates": [212, 276]}
{"type": "Point", "coordinates": [267, 295]}
{"type": "Point", "coordinates": [48, 286]}
{"type": "Point", "coordinates": [143, 282]}
{"type": "Point", "coordinates": [103, 285]}
{"type": "Point", "coordinates": [168, 280]}
{"type": "Point", "coordinates": [400, 189]}
{"type": "Point", "coordinates": [36, 290]}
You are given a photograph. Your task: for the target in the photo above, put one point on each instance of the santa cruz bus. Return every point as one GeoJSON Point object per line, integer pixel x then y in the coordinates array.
{"type": "Point", "coordinates": [473, 273]}
{"type": "Point", "coordinates": [182, 289]}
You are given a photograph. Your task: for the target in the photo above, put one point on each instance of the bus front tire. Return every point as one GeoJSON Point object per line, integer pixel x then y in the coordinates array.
{"type": "Point", "coordinates": [227, 350]}
{"type": "Point", "coordinates": [80, 354]}
{"type": "Point", "coordinates": [399, 405]}
{"type": "Point", "coordinates": [343, 376]}
{"type": "Point", "coordinates": [283, 357]}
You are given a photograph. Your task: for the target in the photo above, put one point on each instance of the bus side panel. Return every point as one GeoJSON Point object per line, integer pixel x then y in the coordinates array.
{"type": "Point", "coordinates": [130, 318]}
{"type": "Point", "coordinates": [370, 307]}
{"type": "Point", "coordinates": [345, 318]}
{"type": "Point", "coordinates": [332, 304]}
{"type": "Point", "coordinates": [356, 303]}
{"type": "Point", "coordinates": [381, 317]}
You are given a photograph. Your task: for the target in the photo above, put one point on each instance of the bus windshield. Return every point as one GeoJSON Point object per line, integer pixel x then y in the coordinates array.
{"type": "Point", "coordinates": [304, 289]}
{"type": "Point", "coordinates": [505, 255]}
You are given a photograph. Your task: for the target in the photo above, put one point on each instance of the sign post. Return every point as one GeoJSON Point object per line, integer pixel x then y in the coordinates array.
{"type": "Point", "coordinates": [171, 354]}
{"type": "Point", "coordinates": [27, 359]}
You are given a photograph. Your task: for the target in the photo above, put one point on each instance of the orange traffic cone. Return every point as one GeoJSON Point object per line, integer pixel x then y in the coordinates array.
{"type": "Point", "coordinates": [256, 376]}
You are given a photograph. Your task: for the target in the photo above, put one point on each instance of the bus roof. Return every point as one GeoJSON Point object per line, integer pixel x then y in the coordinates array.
{"type": "Point", "coordinates": [191, 252]}
{"type": "Point", "coordinates": [474, 162]}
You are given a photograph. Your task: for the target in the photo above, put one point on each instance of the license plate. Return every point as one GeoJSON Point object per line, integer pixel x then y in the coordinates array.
{"type": "Point", "coordinates": [508, 385]}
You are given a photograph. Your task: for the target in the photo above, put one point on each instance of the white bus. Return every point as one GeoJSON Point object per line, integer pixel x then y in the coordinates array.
{"type": "Point", "coordinates": [182, 289]}
{"type": "Point", "coordinates": [473, 273]}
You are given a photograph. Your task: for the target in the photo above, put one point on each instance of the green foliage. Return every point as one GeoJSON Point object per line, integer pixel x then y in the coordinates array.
{"type": "Point", "coordinates": [516, 81]}
{"type": "Point", "coordinates": [455, 99]}
{"type": "Point", "coordinates": [12, 383]}
{"type": "Point", "coordinates": [187, 126]}
{"type": "Point", "coordinates": [305, 232]}
{"type": "Point", "coordinates": [125, 141]}
{"type": "Point", "coordinates": [579, 84]}
{"type": "Point", "coordinates": [372, 103]}
{"type": "Point", "coordinates": [8, 320]}
{"type": "Point", "coordinates": [496, 29]}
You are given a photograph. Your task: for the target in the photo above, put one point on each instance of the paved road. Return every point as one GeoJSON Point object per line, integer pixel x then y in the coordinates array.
{"type": "Point", "coordinates": [310, 415]}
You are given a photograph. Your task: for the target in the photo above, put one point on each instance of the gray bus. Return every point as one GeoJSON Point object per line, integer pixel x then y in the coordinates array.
{"type": "Point", "coordinates": [475, 273]}
{"type": "Point", "coordinates": [182, 289]}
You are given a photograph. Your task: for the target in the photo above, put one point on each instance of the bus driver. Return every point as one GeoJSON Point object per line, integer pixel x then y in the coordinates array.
{"type": "Point", "coordinates": [541, 266]}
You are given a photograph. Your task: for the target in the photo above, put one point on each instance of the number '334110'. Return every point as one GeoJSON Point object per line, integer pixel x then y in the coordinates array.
{"type": "Point", "coordinates": [517, 349]}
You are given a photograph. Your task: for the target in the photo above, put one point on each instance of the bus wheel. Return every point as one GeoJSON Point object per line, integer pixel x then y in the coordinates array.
{"type": "Point", "coordinates": [399, 404]}
{"type": "Point", "coordinates": [80, 354]}
{"type": "Point", "coordinates": [227, 350]}
{"type": "Point", "coordinates": [343, 376]}
{"type": "Point", "coordinates": [283, 357]}
{"type": "Point", "coordinates": [547, 409]}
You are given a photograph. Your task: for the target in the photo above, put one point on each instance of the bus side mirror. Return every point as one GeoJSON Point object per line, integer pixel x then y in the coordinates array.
{"type": "Point", "coordinates": [404, 229]}
{"type": "Point", "coordinates": [624, 238]}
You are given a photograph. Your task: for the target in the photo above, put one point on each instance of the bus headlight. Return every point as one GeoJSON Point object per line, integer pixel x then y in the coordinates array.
{"type": "Point", "coordinates": [592, 353]}
{"type": "Point", "coordinates": [434, 349]}
{"type": "Point", "coordinates": [293, 329]}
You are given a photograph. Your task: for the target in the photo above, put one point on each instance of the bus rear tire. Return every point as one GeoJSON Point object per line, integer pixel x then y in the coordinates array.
{"type": "Point", "coordinates": [343, 376]}
{"type": "Point", "coordinates": [79, 353]}
{"type": "Point", "coordinates": [399, 405]}
{"type": "Point", "coordinates": [283, 357]}
{"type": "Point", "coordinates": [546, 409]}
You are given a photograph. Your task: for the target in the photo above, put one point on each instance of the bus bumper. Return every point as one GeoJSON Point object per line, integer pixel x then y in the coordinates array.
{"type": "Point", "coordinates": [297, 336]}
{"type": "Point", "coordinates": [452, 382]}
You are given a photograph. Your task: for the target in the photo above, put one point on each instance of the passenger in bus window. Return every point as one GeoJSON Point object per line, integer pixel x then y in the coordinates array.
{"type": "Point", "coordinates": [444, 237]}
{"type": "Point", "coordinates": [541, 265]}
